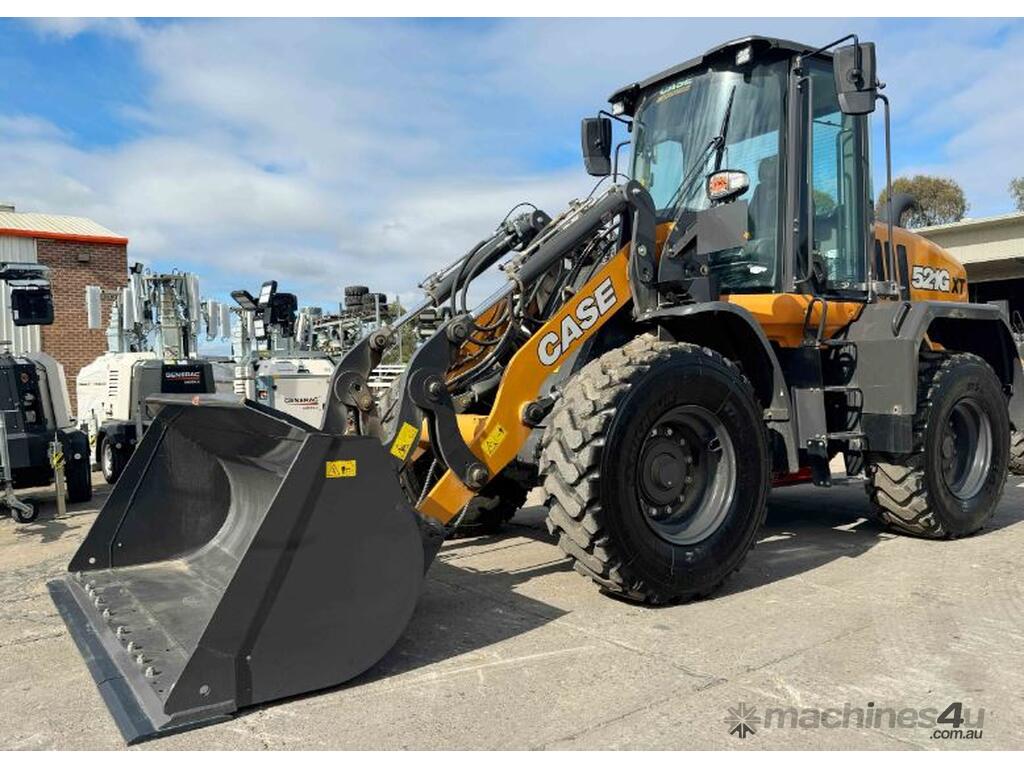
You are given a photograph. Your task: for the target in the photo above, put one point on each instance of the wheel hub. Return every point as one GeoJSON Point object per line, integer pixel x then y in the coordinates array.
{"type": "Point", "coordinates": [966, 449]}
{"type": "Point", "coordinates": [686, 473]}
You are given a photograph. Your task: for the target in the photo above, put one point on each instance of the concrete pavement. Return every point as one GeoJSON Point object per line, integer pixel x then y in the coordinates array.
{"type": "Point", "coordinates": [509, 648]}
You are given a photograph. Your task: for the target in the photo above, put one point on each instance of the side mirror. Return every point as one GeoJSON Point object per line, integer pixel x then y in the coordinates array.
{"type": "Point", "coordinates": [723, 186]}
{"type": "Point", "coordinates": [32, 306]}
{"type": "Point", "coordinates": [856, 86]}
{"type": "Point", "coordinates": [596, 138]}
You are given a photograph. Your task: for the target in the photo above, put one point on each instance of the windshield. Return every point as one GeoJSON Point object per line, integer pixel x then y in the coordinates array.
{"type": "Point", "coordinates": [674, 126]}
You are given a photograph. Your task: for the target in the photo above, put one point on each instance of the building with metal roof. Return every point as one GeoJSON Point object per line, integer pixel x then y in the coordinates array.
{"type": "Point", "coordinates": [992, 250]}
{"type": "Point", "coordinates": [79, 252]}
{"type": "Point", "coordinates": [53, 226]}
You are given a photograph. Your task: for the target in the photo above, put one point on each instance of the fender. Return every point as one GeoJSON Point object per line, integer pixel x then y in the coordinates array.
{"type": "Point", "coordinates": [690, 322]}
{"type": "Point", "coordinates": [889, 336]}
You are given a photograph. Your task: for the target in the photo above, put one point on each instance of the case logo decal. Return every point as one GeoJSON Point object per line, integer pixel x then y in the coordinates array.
{"type": "Point", "coordinates": [553, 344]}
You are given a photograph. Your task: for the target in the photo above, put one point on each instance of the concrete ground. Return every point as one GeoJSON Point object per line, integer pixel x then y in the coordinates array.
{"type": "Point", "coordinates": [510, 649]}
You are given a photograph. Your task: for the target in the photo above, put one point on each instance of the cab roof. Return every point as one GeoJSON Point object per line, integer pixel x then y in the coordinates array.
{"type": "Point", "coordinates": [628, 93]}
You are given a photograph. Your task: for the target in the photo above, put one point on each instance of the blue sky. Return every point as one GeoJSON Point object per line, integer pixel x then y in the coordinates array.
{"type": "Point", "coordinates": [324, 153]}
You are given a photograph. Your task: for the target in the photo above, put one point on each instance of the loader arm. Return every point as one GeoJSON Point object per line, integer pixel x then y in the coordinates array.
{"type": "Point", "coordinates": [469, 466]}
{"type": "Point", "coordinates": [504, 430]}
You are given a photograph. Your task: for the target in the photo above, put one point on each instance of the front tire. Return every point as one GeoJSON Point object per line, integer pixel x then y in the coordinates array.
{"type": "Point", "coordinates": [112, 461]}
{"type": "Point", "coordinates": [656, 470]}
{"type": "Point", "coordinates": [950, 485]}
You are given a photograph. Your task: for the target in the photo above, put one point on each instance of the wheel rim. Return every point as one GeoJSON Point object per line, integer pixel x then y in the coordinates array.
{"type": "Point", "coordinates": [686, 475]}
{"type": "Point", "coordinates": [966, 449]}
{"type": "Point", "coordinates": [108, 460]}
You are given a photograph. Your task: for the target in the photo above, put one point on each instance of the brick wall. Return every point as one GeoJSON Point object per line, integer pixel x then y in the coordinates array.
{"type": "Point", "coordinates": [69, 339]}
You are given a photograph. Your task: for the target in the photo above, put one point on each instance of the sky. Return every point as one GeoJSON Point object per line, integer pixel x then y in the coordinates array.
{"type": "Point", "coordinates": [327, 153]}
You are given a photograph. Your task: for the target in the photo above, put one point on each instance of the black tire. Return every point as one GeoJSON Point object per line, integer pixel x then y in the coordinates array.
{"type": "Point", "coordinates": [492, 507]}
{"type": "Point", "coordinates": [78, 476]}
{"type": "Point", "coordinates": [1017, 452]}
{"type": "Point", "coordinates": [595, 462]}
{"type": "Point", "coordinates": [944, 490]}
{"type": "Point", "coordinates": [112, 461]}
{"type": "Point", "coordinates": [495, 505]}
{"type": "Point", "coordinates": [22, 516]}
{"type": "Point", "coordinates": [354, 296]}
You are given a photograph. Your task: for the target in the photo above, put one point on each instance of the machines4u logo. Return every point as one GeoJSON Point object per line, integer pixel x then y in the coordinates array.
{"type": "Point", "coordinates": [952, 722]}
{"type": "Point", "coordinates": [743, 721]}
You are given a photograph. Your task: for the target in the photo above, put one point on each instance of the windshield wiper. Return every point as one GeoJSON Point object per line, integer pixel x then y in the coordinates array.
{"type": "Point", "coordinates": [723, 131]}
{"type": "Point", "coordinates": [716, 144]}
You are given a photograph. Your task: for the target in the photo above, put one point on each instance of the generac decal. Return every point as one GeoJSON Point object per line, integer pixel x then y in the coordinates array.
{"type": "Point", "coordinates": [553, 345]}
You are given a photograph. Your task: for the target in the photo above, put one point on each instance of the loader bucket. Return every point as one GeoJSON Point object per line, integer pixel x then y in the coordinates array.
{"type": "Point", "coordinates": [242, 557]}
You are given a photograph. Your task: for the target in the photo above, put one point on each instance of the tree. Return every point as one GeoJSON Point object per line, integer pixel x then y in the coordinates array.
{"type": "Point", "coordinates": [940, 200]}
{"type": "Point", "coordinates": [1017, 190]}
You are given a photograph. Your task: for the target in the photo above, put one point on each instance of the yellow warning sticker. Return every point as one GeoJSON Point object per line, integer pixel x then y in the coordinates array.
{"type": "Point", "coordinates": [341, 468]}
{"type": "Point", "coordinates": [495, 438]}
{"type": "Point", "coordinates": [406, 437]}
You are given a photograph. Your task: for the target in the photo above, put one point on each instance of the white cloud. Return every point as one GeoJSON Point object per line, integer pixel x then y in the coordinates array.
{"type": "Point", "coordinates": [324, 153]}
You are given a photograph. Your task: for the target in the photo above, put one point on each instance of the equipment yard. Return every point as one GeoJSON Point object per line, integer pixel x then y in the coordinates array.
{"type": "Point", "coordinates": [508, 648]}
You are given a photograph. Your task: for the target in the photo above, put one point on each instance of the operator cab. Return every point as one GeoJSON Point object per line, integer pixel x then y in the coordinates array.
{"type": "Point", "coordinates": [714, 131]}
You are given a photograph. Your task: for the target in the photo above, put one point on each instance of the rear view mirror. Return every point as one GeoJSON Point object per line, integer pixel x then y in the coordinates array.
{"type": "Point", "coordinates": [32, 305]}
{"type": "Point", "coordinates": [596, 138]}
{"type": "Point", "coordinates": [723, 186]}
{"type": "Point", "coordinates": [856, 86]}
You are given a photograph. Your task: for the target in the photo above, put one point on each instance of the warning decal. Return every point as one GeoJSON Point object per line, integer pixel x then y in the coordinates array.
{"type": "Point", "coordinates": [494, 439]}
{"type": "Point", "coordinates": [341, 468]}
{"type": "Point", "coordinates": [403, 443]}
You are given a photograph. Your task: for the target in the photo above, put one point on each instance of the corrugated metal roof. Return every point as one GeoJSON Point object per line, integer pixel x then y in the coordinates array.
{"type": "Point", "coordinates": [61, 227]}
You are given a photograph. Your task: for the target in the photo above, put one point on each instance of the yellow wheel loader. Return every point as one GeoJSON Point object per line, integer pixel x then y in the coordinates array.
{"type": "Point", "coordinates": [729, 318]}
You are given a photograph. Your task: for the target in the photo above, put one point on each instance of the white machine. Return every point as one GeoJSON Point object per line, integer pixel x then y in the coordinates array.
{"type": "Point", "coordinates": [286, 355]}
{"type": "Point", "coordinates": [152, 340]}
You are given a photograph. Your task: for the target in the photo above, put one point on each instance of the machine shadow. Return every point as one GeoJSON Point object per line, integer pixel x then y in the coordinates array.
{"type": "Point", "coordinates": [462, 611]}
{"type": "Point", "coordinates": [466, 610]}
{"type": "Point", "coordinates": [809, 527]}
{"type": "Point", "coordinates": [49, 526]}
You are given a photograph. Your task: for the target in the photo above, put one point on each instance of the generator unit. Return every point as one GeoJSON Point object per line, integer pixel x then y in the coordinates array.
{"type": "Point", "coordinates": [152, 339]}
{"type": "Point", "coordinates": [278, 363]}
{"type": "Point", "coordinates": [34, 404]}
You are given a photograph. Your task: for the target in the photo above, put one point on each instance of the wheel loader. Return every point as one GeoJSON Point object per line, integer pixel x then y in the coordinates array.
{"type": "Point", "coordinates": [724, 318]}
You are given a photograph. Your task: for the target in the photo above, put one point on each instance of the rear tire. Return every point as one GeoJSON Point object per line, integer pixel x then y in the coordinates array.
{"type": "Point", "coordinates": [79, 480]}
{"type": "Point", "coordinates": [112, 461]}
{"type": "Point", "coordinates": [1017, 452]}
{"type": "Point", "coordinates": [656, 470]}
{"type": "Point", "coordinates": [950, 485]}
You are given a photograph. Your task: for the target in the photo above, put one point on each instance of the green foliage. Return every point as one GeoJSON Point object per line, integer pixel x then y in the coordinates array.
{"type": "Point", "coordinates": [824, 204]}
{"type": "Point", "coordinates": [1017, 191]}
{"type": "Point", "coordinates": [940, 200]}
